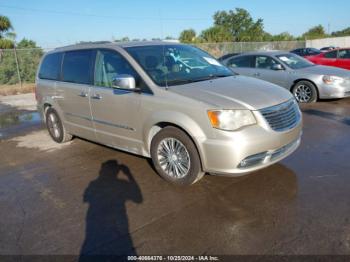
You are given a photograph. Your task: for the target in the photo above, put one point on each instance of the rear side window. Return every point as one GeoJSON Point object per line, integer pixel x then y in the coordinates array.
{"type": "Point", "coordinates": [77, 66]}
{"type": "Point", "coordinates": [51, 66]}
{"type": "Point", "coordinates": [241, 61]}
{"type": "Point", "coordinates": [332, 54]}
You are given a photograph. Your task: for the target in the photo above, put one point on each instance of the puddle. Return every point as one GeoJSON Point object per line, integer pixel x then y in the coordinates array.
{"type": "Point", "coordinates": [18, 118]}
{"type": "Point", "coordinates": [17, 122]}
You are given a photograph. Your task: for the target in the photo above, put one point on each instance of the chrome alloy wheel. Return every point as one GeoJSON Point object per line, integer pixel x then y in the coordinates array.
{"type": "Point", "coordinates": [53, 125]}
{"type": "Point", "coordinates": [173, 158]}
{"type": "Point", "coordinates": [303, 93]}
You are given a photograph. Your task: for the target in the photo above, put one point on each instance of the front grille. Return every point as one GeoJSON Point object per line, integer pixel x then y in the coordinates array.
{"type": "Point", "coordinates": [282, 117]}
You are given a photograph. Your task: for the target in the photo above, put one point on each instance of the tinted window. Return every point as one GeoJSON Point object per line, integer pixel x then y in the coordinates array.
{"type": "Point", "coordinates": [344, 54]}
{"type": "Point", "coordinates": [77, 66]}
{"type": "Point", "coordinates": [110, 64]}
{"type": "Point", "coordinates": [51, 66]}
{"type": "Point", "coordinates": [332, 54]}
{"type": "Point", "coordinates": [313, 51]}
{"type": "Point", "coordinates": [264, 62]}
{"type": "Point", "coordinates": [241, 61]}
{"type": "Point", "coordinates": [298, 51]}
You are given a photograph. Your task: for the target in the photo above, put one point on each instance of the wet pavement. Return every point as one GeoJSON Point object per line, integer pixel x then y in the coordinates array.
{"type": "Point", "coordinates": [87, 198]}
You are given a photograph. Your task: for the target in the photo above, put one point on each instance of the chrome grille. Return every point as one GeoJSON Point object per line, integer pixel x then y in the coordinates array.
{"type": "Point", "coordinates": [282, 117]}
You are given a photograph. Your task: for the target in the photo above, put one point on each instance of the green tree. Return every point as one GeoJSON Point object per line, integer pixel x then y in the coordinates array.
{"type": "Point", "coordinates": [216, 34]}
{"type": "Point", "coordinates": [344, 32]}
{"type": "Point", "coordinates": [315, 33]}
{"type": "Point", "coordinates": [285, 36]}
{"type": "Point", "coordinates": [5, 27]}
{"type": "Point", "coordinates": [240, 25]}
{"type": "Point", "coordinates": [187, 36]}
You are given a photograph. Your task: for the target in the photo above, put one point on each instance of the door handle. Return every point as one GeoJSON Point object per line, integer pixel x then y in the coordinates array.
{"type": "Point", "coordinates": [83, 94]}
{"type": "Point", "coordinates": [97, 96]}
{"type": "Point", "coordinates": [256, 74]}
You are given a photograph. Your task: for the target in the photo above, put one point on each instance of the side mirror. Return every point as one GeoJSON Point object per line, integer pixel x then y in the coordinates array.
{"type": "Point", "coordinates": [277, 67]}
{"type": "Point", "coordinates": [125, 82]}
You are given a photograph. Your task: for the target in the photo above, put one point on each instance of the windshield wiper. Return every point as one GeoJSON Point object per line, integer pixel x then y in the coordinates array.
{"type": "Point", "coordinates": [210, 77]}
{"type": "Point", "coordinates": [188, 81]}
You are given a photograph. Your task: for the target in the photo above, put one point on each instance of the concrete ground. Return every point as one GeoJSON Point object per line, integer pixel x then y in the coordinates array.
{"type": "Point", "coordinates": [86, 198]}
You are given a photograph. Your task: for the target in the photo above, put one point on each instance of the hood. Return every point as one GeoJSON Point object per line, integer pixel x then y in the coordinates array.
{"type": "Point", "coordinates": [235, 92]}
{"type": "Point", "coordinates": [326, 70]}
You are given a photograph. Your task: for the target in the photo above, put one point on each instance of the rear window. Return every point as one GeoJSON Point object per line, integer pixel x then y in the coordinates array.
{"type": "Point", "coordinates": [51, 66]}
{"type": "Point", "coordinates": [77, 67]}
{"type": "Point", "coordinates": [332, 54]}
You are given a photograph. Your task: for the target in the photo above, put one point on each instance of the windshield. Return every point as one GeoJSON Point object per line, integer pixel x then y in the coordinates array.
{"type": "Point", "coordinates": [294, 61]}
{"type": "Point", "coordinates": [170, 65]}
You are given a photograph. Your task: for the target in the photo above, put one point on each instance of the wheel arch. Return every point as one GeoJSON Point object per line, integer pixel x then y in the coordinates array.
{"type": "Point", "coordinates": [307, 80]}
{"type": "Point", "coordinates": [185, 124]}
{"type": "Point", "coordinates": [159, 126]}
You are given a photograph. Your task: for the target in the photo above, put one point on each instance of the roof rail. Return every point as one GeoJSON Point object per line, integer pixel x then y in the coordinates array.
{"type": "Point", "coordinates": [86, 43]}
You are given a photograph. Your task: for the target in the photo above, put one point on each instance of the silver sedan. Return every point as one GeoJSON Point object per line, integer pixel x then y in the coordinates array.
{"type": "Point", "coordinates": [307, 81]}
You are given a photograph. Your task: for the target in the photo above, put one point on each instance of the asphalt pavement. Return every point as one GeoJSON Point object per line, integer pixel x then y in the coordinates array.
{"type": "Point", "coordinates": [85, 198]}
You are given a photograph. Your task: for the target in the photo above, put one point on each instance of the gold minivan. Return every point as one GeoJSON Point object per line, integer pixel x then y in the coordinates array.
{"type": "Point", "coordinates": [171, 102]}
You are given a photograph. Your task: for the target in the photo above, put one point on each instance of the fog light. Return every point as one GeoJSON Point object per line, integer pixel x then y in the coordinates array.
{"type": "Point", "coordinates": [252, 160]}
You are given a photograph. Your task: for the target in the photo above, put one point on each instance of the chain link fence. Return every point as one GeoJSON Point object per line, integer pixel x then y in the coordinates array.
{"type": "Point", "coordinates": [219, 49]}
{"type": "Point", "coordinates": [18, 66]}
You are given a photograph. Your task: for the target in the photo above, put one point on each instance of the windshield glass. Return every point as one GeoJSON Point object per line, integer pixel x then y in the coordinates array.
{"type": "Point", "coordinates": [294, 61]}
{"type": "Point", "coordinates": [170, 65]}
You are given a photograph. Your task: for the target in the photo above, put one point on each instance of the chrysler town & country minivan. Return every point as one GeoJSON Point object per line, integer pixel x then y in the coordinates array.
{"type": "Point", "coordinates": [171, 102]}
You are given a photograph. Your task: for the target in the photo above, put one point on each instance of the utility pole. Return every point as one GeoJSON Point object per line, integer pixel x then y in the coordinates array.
{"type": "Point", "coordinates": [329, 28]}
{"type": "Point", "coordinates": [17, 65]}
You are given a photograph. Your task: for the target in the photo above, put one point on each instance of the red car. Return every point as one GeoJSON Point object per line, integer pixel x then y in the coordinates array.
{"type": "Point", "coordinates": [338, 58]}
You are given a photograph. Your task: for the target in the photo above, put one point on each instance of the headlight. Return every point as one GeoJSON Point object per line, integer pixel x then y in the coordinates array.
{"type": "Point", "coordinates": [230, 120]}
{"type": "Point", "coordinates": [332, 79]}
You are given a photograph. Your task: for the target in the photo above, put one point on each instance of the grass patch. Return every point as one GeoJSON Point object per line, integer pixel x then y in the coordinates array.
{"type": "Point", "coordinates": [6, 90]}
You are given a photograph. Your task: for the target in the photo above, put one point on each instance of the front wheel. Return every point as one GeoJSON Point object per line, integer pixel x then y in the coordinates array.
{"type": "Point", "coordinates": [175, 157]}
{"type": "Point", "coordinates": [305, 92]}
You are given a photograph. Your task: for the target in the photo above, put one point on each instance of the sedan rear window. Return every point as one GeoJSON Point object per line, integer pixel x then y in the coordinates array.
{"type": "Point", "coordinates": [241, 61]}
{"type": "Point", "coordinates": [332, 54]}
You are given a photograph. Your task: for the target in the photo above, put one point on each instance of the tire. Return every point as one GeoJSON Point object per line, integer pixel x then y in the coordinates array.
{"type": "Point", "coordinates": [173, 168]}
{"type": "Point", "coordinates": [305, 92]}
{"type": "Point", "coordinates": [55, 127]}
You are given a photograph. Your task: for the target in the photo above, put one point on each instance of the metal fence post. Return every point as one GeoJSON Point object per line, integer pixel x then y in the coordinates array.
{"type": "Point", "coordinates": [17, 65]}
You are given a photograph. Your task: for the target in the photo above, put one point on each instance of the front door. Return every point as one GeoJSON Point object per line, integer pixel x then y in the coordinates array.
{"type": "Point", "coordinates": [115, 111]}
{"type": "Point", "coordinates": [264, 70]}
{"type": "Point", "coordinates": [329, 58]}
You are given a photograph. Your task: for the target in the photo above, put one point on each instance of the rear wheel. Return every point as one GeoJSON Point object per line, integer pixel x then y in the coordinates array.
{"type": "Point", "coordinates": [175, 157]}
{"type": "Point", "coordinates": [305, 92]}
{"type": "Point", "coordinates": [55, 127]}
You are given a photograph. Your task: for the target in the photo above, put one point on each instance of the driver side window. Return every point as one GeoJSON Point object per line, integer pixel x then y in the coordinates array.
{"type": "Point", "coordinates": [110, 64]}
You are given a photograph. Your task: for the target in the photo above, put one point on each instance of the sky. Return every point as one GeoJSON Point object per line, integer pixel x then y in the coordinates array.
{"type": "Point", "coordinates": [56, 23]}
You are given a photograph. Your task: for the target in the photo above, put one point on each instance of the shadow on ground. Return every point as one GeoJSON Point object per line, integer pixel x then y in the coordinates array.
{"type": "Point", "coordinates": [108, 194]}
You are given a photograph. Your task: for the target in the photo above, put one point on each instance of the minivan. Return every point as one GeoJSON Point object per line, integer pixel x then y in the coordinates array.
{"type": "Point", "coordinates": [170, 102]}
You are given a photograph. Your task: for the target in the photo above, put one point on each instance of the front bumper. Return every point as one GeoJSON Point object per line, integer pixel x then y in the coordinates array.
{"type": "Point", "coordinates": [334, 90]}
{"type": "Point", "coordinates": [224, 155]}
